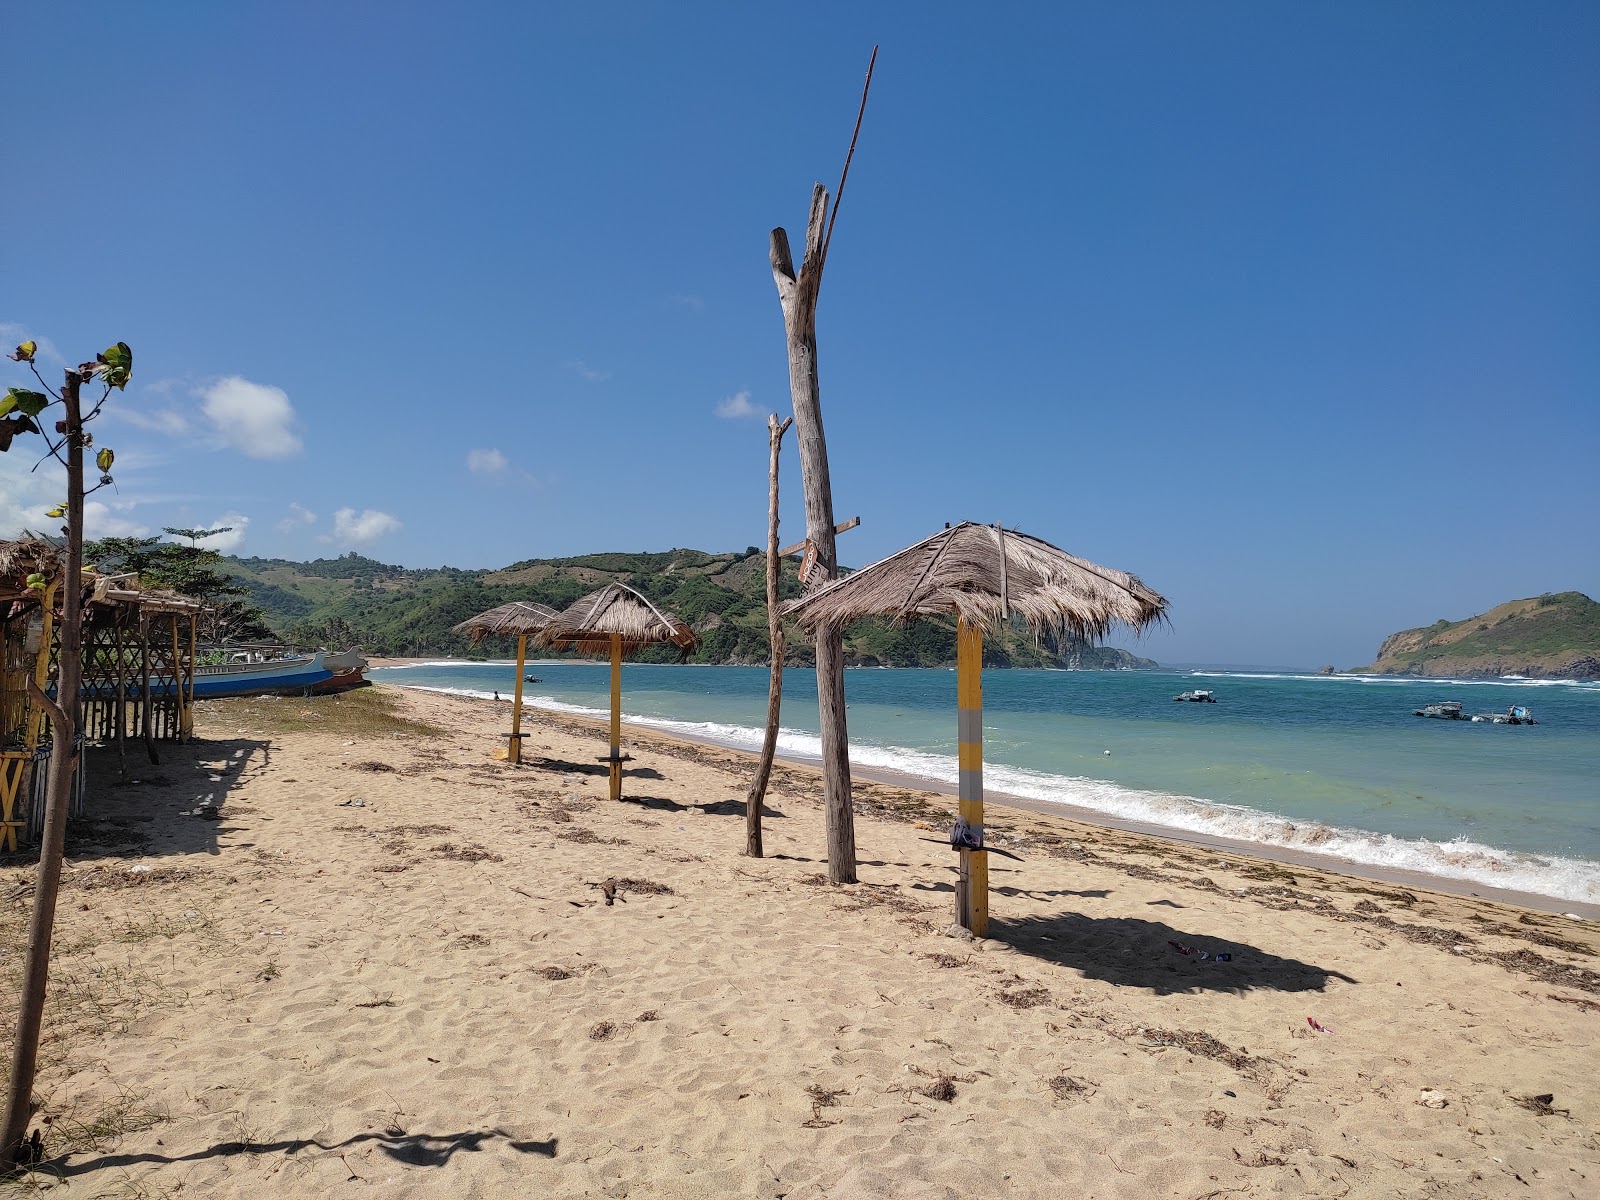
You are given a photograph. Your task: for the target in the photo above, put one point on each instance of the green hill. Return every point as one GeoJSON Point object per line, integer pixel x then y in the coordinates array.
{"type": "Point", "coordinates": [1554, 636]}
{"type": "Point", "coordinates": [392, 610]}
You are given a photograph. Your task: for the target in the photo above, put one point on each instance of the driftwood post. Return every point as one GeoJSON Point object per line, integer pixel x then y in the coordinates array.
{"type": "Point", "coordinates": [769, 742]}
{"type": "Point", "coordinates": [797, 293]}
{"type": "Point", "coordinates": [63, 768]}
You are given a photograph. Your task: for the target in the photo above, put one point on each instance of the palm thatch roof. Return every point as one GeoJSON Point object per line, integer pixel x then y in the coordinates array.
{"type": "Point", "coordinates": [986, 575]}
{"type": "Point", "coordinates": [518, 618]}
{"type": "Point", "coordinates": [588, 624]}
{"type": "Point", "coordinates": [23, 557]}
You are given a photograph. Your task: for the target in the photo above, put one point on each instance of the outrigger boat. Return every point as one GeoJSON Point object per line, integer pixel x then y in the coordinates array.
{"type": "Point", "coordinates": [1198, 696]}
{"type": "Point", "coordinates": [1448, 710]}
{"type": "Point", "coordinates": [1517, 714]}
{"type": "Point", "coordinates": [273, 677]}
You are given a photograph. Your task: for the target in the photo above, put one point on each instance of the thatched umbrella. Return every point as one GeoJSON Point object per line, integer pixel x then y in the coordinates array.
{"type": "Point", "coordinates": [615, 618]}
{"type": "Point", "coordinates": [985, 575]}
{"type": "Point", "coordinates": [522, 618]}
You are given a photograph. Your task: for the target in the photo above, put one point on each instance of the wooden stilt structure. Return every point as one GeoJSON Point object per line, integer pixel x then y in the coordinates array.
{"type": "Point", "coordinates": [522, 618]}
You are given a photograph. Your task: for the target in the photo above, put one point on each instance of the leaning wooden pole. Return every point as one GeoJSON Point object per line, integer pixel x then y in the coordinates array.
{"type": "Point", "coordinates": [972, 891]}
{"type": "Point", "coordinates": [769, 741]}
{"type": "Point", "coordinates": [616, 716]}
{"type": "Point", "coordinates": [63, 712]}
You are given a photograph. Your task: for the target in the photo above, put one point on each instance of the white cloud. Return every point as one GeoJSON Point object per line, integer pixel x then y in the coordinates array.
{"type": "Point", "coordinates": [253, 418]}
{"type": "Point", "coordinates": [225, 543]}
{"type": "Point", "coordinates": [168, 421]}
{"type": "Point", "coordinates": [736, 406]}
{"type": "Point", "coordinates": [352, 528]}
{"type": "Point", "coordinates": [298, 515]}
{"type": "Point", "coordinates": [99, 521]}
{"type": "Point", "coordinates": [592, 374]}
{"type": "Point", "coordinates": [486, 462]}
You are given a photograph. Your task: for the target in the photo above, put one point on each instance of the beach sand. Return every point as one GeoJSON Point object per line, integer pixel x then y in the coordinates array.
{"type": "Point", "coordinates": [388, 966]}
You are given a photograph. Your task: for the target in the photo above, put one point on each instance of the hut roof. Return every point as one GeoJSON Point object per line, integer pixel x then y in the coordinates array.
{"type": "Point", "coordinates": [616, 608]}
{"type": "Point", "coordinates": [986, 574]}
{"type": "Point", "coordinates": [22, 557]}
{"type": "Point", "coordinates": [517, 618]}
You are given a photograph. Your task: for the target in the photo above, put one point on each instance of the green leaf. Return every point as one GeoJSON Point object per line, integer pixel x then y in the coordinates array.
{"type": "Point", "coordinates": [118, 365]}
{"type": "Point", "coordinates": [104, 459]}
{"type": "Point", "coordinates": [36, 580]}
{"type": "Point", "coordinates": [59, 510]}
{"type": "Point", "coordinates": [24, 352]}
{"type": "Point", "coordinates": [32, 403]}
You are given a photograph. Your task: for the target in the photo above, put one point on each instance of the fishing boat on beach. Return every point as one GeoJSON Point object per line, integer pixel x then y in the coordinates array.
{"type": "Point", "coordinates": [281, 676]}
{"type": "Point", "coordinates": [348, 667]}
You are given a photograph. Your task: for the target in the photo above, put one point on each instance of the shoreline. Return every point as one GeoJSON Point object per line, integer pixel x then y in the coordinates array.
{"type": "Point", "coordinates": [1265, 852]}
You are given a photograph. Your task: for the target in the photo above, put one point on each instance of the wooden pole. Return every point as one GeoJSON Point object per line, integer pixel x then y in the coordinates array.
{"type": "Point", "coordinates": [63, 712]}
{"type": "Point", "coordinates": [188, 712]}
{"type": "Point", "coordinates": [616, 716]}
{"type": "Point", "coordinates": [122, 705]}
{"type": "Point", "coordinates": [514, 744]}
{"type": "Point", "coordinates": [769, 740]}
{"type": "Point", "coordinates": [797, 294]}
{"type": "Point", "coordinates": [972, 892]}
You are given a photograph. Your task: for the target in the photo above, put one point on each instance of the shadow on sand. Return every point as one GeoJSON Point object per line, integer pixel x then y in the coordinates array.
{"type": "Point", "coordinates": [1133, 952]}
{"type": "Point", "coordinates": [413, 1149]}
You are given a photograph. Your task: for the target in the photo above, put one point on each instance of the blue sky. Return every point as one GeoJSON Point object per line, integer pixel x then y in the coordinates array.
{"type": "Point", "coordinates": [1289, 309]}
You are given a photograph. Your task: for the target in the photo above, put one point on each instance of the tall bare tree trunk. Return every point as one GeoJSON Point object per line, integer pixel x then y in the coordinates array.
{"type": "Point", "coordinates": [769, 742]}
{"type": "Point", "coordinates": [798, 296]}
{"type": "Point", "coordinates": [63, 712]}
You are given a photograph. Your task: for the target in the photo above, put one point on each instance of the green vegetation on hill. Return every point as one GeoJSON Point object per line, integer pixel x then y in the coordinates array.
{"type": "Point", "coordinates": [392, 610]}
{"type": "Point", "coordinates": [1554, 636]}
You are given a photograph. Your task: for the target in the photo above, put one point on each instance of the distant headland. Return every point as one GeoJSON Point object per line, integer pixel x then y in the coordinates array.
{"type": "Point", "coordinates": [1553, 636]}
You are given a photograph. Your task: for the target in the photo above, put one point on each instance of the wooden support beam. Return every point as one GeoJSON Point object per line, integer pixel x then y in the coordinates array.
{"type": "Point", "coordinates": [513, 752]}
{"type": "Point", "coordinates": [799, 548]}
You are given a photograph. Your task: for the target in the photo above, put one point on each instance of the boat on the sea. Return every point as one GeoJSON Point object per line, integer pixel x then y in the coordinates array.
{"type": "Point", "coordinates": [280, 676]}
{"type": "Point", "coordinates": [531, 679]}
{"type": "Point", "coordinates": [1448, 710]}
{"type": "Point", "coordinates": [1197, 696]}
{"type": "Point", "coordinates": [1517, 714]}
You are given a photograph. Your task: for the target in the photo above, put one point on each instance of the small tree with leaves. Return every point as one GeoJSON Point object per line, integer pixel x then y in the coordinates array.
{"type": "Point", "coordinates": [193, 570]}
{"type": "Point", "coordinates": [66, 441]}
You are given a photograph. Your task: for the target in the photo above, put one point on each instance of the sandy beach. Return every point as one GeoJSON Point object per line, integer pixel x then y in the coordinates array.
{"type": "Point", "coordinates": [333, 948]}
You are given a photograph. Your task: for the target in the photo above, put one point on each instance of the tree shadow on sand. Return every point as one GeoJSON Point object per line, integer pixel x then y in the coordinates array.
{"type": "Point", "coordinates": [714, 808]}
{"type": "Point", "coordinates": [1132, 952]}
{"type": "Point", "coordinates": [414, 1149]}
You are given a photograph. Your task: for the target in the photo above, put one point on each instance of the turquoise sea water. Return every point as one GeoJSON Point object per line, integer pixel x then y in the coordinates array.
{"type": "Point", "coordinates": [1332, 765]}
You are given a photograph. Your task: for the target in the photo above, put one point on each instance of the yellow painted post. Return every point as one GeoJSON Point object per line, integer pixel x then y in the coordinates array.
{"type": "Point", "coordinates": [514, 746]}
{"type": "Point", "coordinates": [13, 763]}
{"type": "Point", "coordinates": [616, 716]}
{"type": "Point", "coordinates": [972, 894]}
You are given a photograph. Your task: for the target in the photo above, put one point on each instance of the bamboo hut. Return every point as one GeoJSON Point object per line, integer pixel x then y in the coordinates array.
{"type": "Point", "coordinates": [614, 619]}
{"type": "Point", "coordinates": [138, 673]}
{"type": "Point", "coordinates": [519, 619]}
{"type": "Point", "coordinates": [986, 576]}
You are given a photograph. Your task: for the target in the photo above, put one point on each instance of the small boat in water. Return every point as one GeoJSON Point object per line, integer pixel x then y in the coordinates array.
{"type": "Point", "coordinates": [1197, 696]}
{"type": "Point", "coordinates": [1449, 710]}
{"type": "Point", "coordinates": [1517, 714]}
{"type": "Point", "coordinates": [531, 679]}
